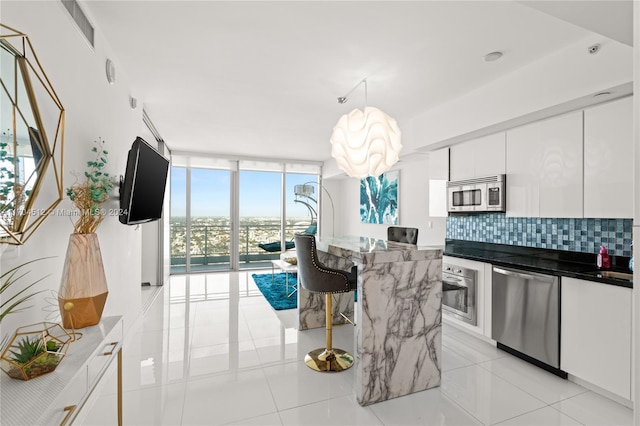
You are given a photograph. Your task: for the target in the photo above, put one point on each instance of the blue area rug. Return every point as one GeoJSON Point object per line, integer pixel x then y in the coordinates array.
{"type": "Point", "coordinates": [275, 292]}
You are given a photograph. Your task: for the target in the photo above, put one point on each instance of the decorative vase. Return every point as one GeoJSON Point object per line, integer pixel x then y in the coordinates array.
{"type": "Point", "coordinates": [83, 289]}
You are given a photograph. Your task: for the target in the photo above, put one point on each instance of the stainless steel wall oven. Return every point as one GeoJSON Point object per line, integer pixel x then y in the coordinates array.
{"type": "Point", "coordinates": [459, 293]}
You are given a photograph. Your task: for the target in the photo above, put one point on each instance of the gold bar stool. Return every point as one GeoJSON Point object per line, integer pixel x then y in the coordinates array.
{"type": "Point", "coordinates": [315, 277]}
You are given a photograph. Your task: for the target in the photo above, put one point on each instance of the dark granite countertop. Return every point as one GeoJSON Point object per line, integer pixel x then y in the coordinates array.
{"type": "Point", "coordinates": [546, 261]}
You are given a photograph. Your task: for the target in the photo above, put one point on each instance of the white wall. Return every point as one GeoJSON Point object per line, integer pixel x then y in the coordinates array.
{"type": "Point", "coordinates": [93, 109]}
{"type": "Point", "coordinates": [150, 232]}
{"type": "Point", "coordinates": [564, 76]}
{"type": "Point", "coordinates": [413, 207]}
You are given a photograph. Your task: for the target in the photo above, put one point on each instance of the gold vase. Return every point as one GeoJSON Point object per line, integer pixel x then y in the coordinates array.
{"type": "Point", "coordinates": [83, 289]}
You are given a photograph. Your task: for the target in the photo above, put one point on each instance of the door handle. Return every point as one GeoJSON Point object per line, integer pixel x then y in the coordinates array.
{"type": "Point", "coordinates": [69, 409]}
{"type": "Point", "coordinates": [113, 346]}
{"type": "Point", "coordinates": [513, 274]}
{"type": "Point", "coordinates": [533, 276]}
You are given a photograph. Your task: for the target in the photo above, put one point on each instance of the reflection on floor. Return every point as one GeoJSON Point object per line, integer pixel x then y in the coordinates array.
{"type": "Point", "coordinates": [210, 350]}
{"type": "Point", "coordinates": [148, 296]}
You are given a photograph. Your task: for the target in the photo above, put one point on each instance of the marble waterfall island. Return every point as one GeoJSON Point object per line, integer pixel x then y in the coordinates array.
{"type": "Point", "coordinates": [398, 316]}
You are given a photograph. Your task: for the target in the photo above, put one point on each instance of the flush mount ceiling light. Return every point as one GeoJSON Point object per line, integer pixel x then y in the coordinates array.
{"type": "Point", "coordinates": [493, 56]}
{"type": "Point", "coordinates": [365, 143]}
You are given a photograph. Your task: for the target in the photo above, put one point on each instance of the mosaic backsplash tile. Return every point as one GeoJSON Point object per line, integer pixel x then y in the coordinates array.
{"type": "Point", "coordinates": [581, 235]}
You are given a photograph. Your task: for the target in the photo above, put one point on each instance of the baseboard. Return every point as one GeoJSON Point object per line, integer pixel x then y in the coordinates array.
{"type": "Point", "coordinates": [600, 391]}
{"type": "Point", "coordinates": [466, 328]}
{"type": "Point", "coordinates": [154, 292]}
{"type": "Point", "coordinates": [551, 369]}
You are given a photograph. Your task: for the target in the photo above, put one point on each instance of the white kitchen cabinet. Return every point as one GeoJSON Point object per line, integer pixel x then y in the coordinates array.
{"type": "Point", "coordinates": [523, 187]}
{"type": "Point", "coordinates": [479, 157]}
{"type": "Point", "coordinates": [608, 160]}
{"type": "Point", "coordinates": [544, 168]}
{"type": "Point", "coordinates": [596, 334]}
{"type": "Point", "coordinates": [438, 177]}
{"type": "Point", "coordinates": [462, 164]}
{"type": "Point", "coordinates": [488, 292]}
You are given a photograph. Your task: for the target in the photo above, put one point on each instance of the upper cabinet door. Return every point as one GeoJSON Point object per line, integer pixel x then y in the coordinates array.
{"type": "Point", "coordinates": [463, 160]}
{"type": "Point", "coordinates": [490, 156]}
{"type": "Point", "coordinates": [479, 157]}
{"type": "Point", "coordinates": [544, 168]}
{"type": "Point", "coordinates": [523, 165]}
{"type": "Point", "coordinates": [608, 160]}
{"type": "Point", "coordinates": [560, 142]}
{"type": "Point", "coordinates": [438, 177]}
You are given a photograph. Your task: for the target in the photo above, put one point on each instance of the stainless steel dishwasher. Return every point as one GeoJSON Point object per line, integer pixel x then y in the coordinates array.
{"type": "Point", "coordinates": [526, 316]}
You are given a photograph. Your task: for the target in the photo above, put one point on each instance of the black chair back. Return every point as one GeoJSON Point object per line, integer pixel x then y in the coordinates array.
{"type": "Point", "coordinates": [402, 235]}
{"type": "Point", "coordinates": [313, 275]}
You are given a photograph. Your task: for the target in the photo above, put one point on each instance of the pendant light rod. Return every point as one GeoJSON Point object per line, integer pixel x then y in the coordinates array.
{"type": "Point", "coordinates": [345, 98]}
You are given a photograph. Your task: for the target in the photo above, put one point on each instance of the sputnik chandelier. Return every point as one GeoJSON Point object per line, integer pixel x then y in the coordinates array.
{"type": "Point", "coordinates": [365, 143]}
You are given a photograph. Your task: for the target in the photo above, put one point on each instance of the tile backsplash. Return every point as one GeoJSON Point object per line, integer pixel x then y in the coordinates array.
{"type": "Point", "coordinates": [581, 235]}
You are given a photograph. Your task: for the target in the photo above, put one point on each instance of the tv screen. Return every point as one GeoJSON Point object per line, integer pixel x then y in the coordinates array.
{"type": "Point", "coordinates": [143, 185]}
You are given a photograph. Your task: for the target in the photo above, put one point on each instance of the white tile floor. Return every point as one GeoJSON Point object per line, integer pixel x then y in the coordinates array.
{"type": "Point", "coordinates": [210, 350]}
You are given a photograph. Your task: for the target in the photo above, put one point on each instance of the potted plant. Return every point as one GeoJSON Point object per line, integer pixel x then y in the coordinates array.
{"type": "Point", "coordinates": [13, 304]}
{"type": "Point", "coordinates": [93, 191]}
{"type": "Point", "coordinates": [83, 289]}
{"type": "Point", "coordinates": [35, 350]}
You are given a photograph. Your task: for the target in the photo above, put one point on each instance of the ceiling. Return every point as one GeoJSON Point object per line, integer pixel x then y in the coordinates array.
{"type": "Point", "coordinates": [261, 79]}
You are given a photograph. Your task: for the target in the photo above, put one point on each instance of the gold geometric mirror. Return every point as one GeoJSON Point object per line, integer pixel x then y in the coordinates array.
{"type": "Point", "coordinates": [31, 140]}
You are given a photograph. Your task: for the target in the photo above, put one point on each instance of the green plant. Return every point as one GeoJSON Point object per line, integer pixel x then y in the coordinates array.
{"type": "Point", "coordinates": [13, 192]}
{"type": "Point", "coordinates": [88, 195]}
{"type": "Point", "coordinates": [10, 278]}
{"type": "Point", "coordinates": [52, 346]}
{"type": "Point", "coordinates": [27, 350]}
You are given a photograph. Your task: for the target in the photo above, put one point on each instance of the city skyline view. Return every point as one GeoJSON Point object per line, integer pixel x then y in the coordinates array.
{"type": "Point", "coordinates": [260, 202]}
{"type": "Point", "coordinates": [259, 193]}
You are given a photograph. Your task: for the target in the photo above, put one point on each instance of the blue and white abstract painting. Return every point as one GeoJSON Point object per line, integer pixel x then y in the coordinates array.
{"type": "Point", "coordinates": [379, 199]}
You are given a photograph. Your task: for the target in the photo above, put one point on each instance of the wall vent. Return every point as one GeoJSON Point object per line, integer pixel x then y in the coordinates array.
{"type": "Point", "coordinates": [80, 18]}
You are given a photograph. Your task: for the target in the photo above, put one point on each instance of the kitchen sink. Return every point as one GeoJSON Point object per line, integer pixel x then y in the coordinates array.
{"type": "Point", "coordinates": [613, 274]}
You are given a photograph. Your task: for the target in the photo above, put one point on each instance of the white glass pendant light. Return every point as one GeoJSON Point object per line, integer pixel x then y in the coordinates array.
{"type": "Point", "coordinates": [365, 143]}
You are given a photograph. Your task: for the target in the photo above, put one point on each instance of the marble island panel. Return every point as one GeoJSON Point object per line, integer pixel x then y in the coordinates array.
{"type": "Point", "coordinates": [398, 314]}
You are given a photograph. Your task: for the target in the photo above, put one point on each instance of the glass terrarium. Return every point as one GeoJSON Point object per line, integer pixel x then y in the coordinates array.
{"type": "Point", "coordinates": [34, 350]}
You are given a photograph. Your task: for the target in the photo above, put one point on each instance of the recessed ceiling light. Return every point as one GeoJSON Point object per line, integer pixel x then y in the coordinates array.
{"type": "Point", "coordinates": [493, 56]}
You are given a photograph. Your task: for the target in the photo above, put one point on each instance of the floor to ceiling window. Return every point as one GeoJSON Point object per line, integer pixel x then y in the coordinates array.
{"type": "Point", "coordinates": [178, 221]}
{"type": "Point", "coordinates": [210, 242]}
{"type": "Point", "coordinates": [260, 217]}
{"type": "Point", "coordinates": [238, 214]}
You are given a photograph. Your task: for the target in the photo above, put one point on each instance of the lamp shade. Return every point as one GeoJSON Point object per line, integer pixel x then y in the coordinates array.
{"type": "Point", "coordinates": [366, 143]}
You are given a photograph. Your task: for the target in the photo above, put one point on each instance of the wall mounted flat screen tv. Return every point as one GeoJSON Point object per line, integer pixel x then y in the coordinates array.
{"type": "Point", "coordinates": [143, 185]}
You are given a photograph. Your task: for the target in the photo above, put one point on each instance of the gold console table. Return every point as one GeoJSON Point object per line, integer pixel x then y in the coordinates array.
{"type": "Point", "coordinates": [57, 398]}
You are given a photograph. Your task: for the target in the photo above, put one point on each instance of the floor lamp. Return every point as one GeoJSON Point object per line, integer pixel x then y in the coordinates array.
{"type": "Point", "coordinates": [307, 190]}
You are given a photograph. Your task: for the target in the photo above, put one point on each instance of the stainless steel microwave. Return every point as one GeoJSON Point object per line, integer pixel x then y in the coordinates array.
{"type": "Point", "coordinates": [486, 194]}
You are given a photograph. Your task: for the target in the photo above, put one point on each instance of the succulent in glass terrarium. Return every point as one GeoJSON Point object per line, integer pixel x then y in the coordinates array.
{"type": "Point", "coordinates": [35, 350]}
